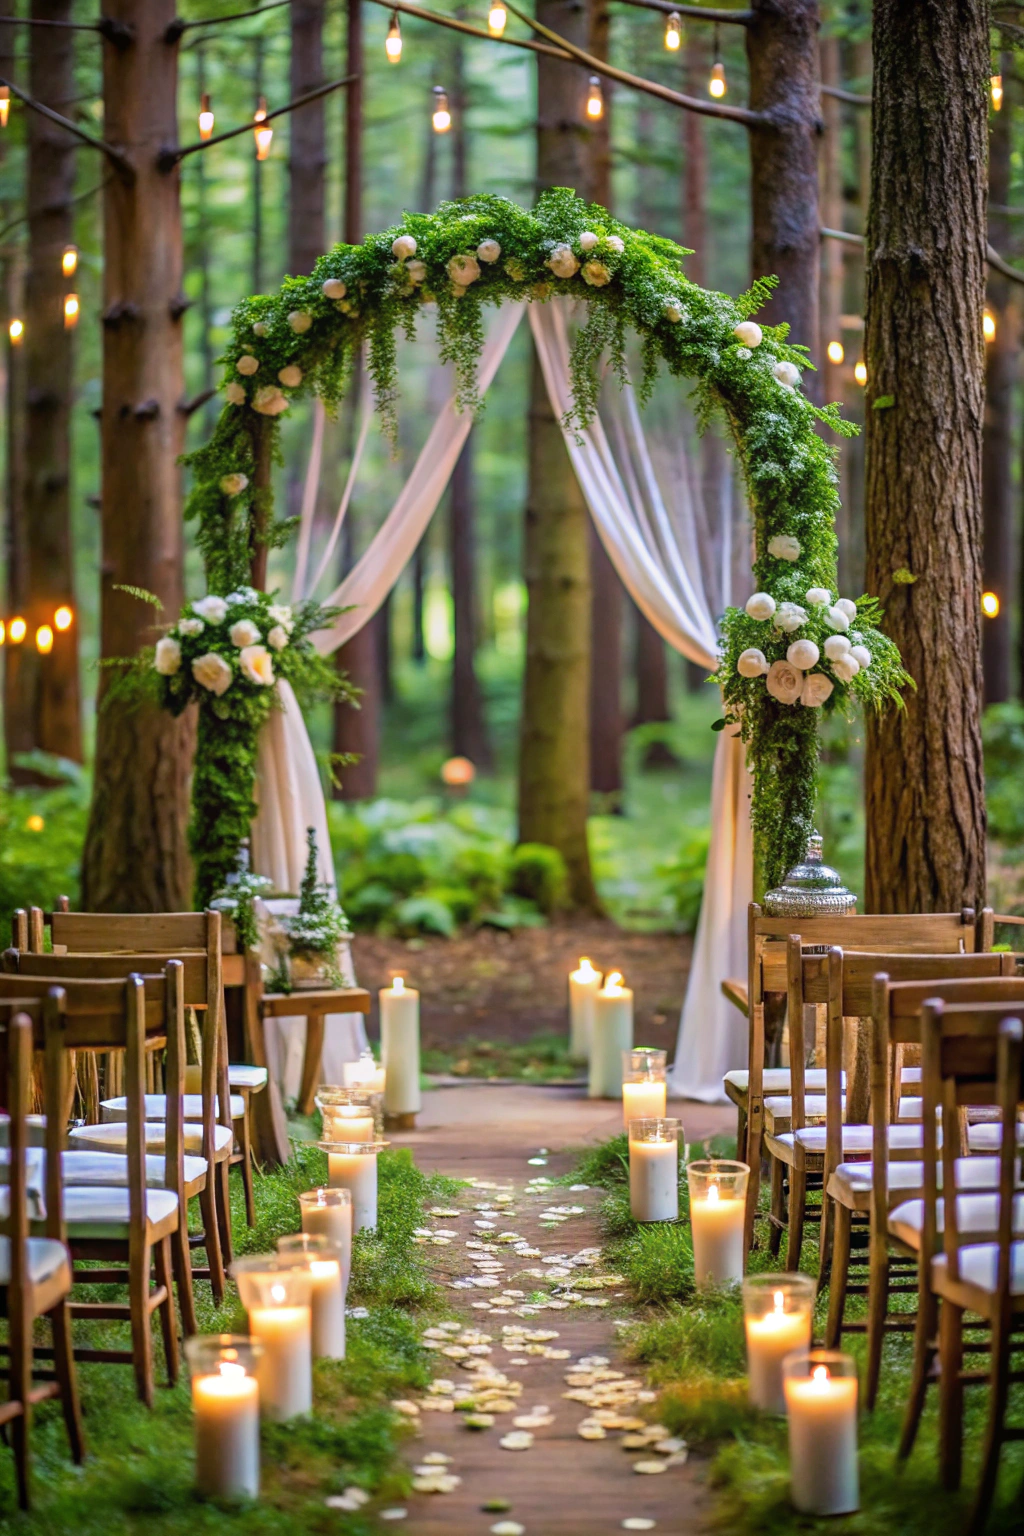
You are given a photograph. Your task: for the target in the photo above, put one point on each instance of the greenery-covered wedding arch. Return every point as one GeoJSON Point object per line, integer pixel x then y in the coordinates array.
{"type": "Point", "coordinates": [795, 649]}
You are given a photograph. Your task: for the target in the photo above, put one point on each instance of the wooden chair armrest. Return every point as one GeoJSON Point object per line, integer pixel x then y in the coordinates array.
{"type": "Point", "coordinates": [736, 992]}
{"type": "Point", "coordinates": [277, 1005]}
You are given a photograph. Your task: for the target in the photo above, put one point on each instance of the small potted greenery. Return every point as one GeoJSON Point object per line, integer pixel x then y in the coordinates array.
{"type": "Point", "coordinates": [316, 931]}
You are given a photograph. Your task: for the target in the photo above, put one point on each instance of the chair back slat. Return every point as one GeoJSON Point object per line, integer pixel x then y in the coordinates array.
{"type": "Point", "coordinates": [16, 1052]}
{"type": "Point", "coordinates": [170, 932]}
{"type": "Point", "coordinates": [925, 932]}
{"type": "Point", "coordinates": [94, 1010]}
{"type": "Point", "coordinates": [113, 967]}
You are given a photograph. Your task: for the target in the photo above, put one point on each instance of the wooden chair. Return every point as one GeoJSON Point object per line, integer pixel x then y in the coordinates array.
{"type": "Point", "coordinates": [932, 933]}
{"type": "Point", "coordinates": [186, 1150]}
{"type": "Point", "coordinates": [971, 1260]}
{"type": "Point", "coordinates": [35, 1272]}
{"type": "Point", "coordinates": [127, 1230]}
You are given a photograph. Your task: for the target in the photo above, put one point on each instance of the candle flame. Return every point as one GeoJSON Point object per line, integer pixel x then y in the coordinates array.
{"type": "Point", "coordinates": [229, 1371]}
{"type": "Point", "coordinates": [321, 1197]}
{"type": "Point", "coordinates": [780, 1301]}
{"type": "Point", "coordinates": [820, 1374]}
{"type": "Point", "coordinates": [613, 983]}
{"type": "Point", "coordinates": [712, 1194]}
{"type": "Point", "coordinates": [277, 1293]}
{"type": "Point", "coordinates": [398, 984]}
{"type": "Point", "coordinates": [322, 1268]}
{"type": "Point", "coordinates": [586, 971]}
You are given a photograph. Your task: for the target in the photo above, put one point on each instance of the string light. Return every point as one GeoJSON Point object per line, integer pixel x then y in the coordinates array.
{"type": "Point", "coordinates": [69, 260]}
{"type": "Point", "coordinates": [5, 105]}
{"type": "Point", "coordinates": [3, 631]}
{"type": "Point", "coordinates": [835, 352]}
{"type": "Point", "coordinates": [64, 617]}
{"type": "Point", "coordinates": [17, 629]}
{"type": "Point", "coordinates": [35, 822]}
{"type": "Point", "coordinates": [990, 605]}
{"type": "Point", "coordinates": [44, 639]}
{"type": "Point", "coordinates": [716, 85]}
{"type": "Point", "coordinates": [70, 311]}
{"type": "Point", "coordinates": [205, 117]}
{"type": "Point", "coordinates": [988, 325]}
{"type": "Point", "coordinates": [262, 132]}
{"type": "Point", "coordinates": [16, 331]}
{"type": "Point", "coordinates": [442, 117]}
{"type": "Point", "coordinates": [860, 371]}
{"type": "Point", "coordinates": [393, 41]}
{"type": "Point", "coordinates": [997, 92]}
{"type": "Point", "coordinates": [497, 18]}
{"type": "Point", "coordinates": [595, 99]}
{"type": "Point", "coordinates": [674, 32]}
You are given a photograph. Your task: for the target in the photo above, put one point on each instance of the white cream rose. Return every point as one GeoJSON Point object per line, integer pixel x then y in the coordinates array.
{"type": "Point", "coordinates": [167, 660]}
{"type": "Point", "coordinates": [417, 272]}
{"type": "Point", "coordinates": [596, 274]}
{"type": "Point", "coordinates": [615, 243]}
{"type": "Point", "coordinates": [247, 364]}
{"type": "Point", "coordinates": [257, 665]}
{"type": "Point", "coordinates": [300, 320]}
{"type": "Point", "coordinates": [749, 333]}
{"type": "Point", "coordinates": [212, 671]}
{"type": "Point", "coordinates": [836, 619]}
{"type": "Point", "coordinates": [562, 261]}
{"type": "Point", "coordinates": [245, 632]}
{"type": "Point", "coordinates": [234, 394]}
{"type": "Point", "coordinates": [403, 247]}
{"type": "Point", "coordinates": [463, 269]}
{"type": "Point", "coordinates": [784, 547]}
{"type": "Point", "coordinates": [752, 663]}
{"type": "Point", "coordinates": [836, 646]}
{"type": "Point", "coordinates": [213, 609]}
{"type": "Point", "coordinates": [760, 605]}
{"type": "Point", "coordinates": [233, 485]}
{"type": "Point", "coordinates": [488, 250]}
{"type": "Point", "coordinates": [588, 240]}
{"type": "Point", "coordinates": [290, 376]}
{"type": "Point", "coordinates": [816, 596]}
{"type": "Point", "coordinates": [672, 311]}
{"type": "Point", "coordinates": [190, 627]}
{"type": "Point", "coordinates": [784, 682]}
{"type": "Point", "coordinates": [787, 373]}
{"type": "Point", "coordinates": [269, 401]}
{"type": "Point", "coordinates": [790, 616]}
{"type": "Point", "coordinates": [334, 288]}
{"type": "Point", "coordinates": [861, 655]}
{"type": "Point", "coordinates": [282, 614]}
{"type": "Point", "coordinates": [817, 688]}
{"type": "Point", "coordinates": [278, 637]}
{"type": "Point", "coordinates": [846, 667]}
{"type": "Point", "coordinates": [803, 654]}
{"type": "Point", "coordinates": [848, 606]}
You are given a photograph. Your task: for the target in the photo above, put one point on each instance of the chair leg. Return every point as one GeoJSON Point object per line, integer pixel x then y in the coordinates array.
{"type": "Point", "coordinates": [753, 1159]}
{"type": "Point", "coordinates": [741, 1132]}
{"type": "Point", "coordinates": [142, 1339]}
{"type": "Point", "coordinates": [826, 1233]}
{"type": "Point", "coordinates": [64, 1369]}
{"type": "Point", "coordinates": [20, 1390]}
{"type": "Point", "coordinates": [951, 1394]}
{"type": "Point", "coordinates": [840, 1278]}
{"type": "Point", "coordinates": [999, 1391]}
{"type": "Point", "coordinates": [211, 1236]}
{"type": "Point", "coordinates": [878, 1308]}
{"type": "Point", "coordinates": [778, 1206]}
{"type": "Point", "coordinates": [168, 1320]}
{"type": "Point", "coordinates": [797, 1202]}
{"type": "Point", "coordinates": [924, 1355]}
{"type": "Point", "coordinates": [221, 1173]}
{"type": "Point", "coordinates": [245, 1143]}
{"type": "Point", "coordinates": [182, 1258]}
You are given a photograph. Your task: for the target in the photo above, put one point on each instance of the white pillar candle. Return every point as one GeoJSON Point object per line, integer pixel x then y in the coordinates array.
{"type": "Point", "coordinates": [822, 1410]}
{"type": "Point", "coordinates": [772, 1336]}
{"type": "Point", "coordinates": [654, 1178]}
{"type": "Point", "coordinates": [400, 1047]}
{"type": "Point", "coordinates": [646, 1100]}
{"type": "Point", "coordinates": [612, 1034]}
{"type": "Point", "coordinates": [717, 1225]}
{"type": "Point", "coordinates": [226, 1404]}
{"type": "Point", "coordinates": [364, 1073]}
{"type": "Point", "coordinates": [348, 1168]}
{"type": "Point", "coordinates": [326, 1213]}
{"type": "Point", "coordinates": [328, 1309]}
{"type": "Point", "coordinates": [349, 1122]}
{"type": "Point", "coordinates": [583, 985]}
{"type": "Point", "coordinates": [285, 1366]}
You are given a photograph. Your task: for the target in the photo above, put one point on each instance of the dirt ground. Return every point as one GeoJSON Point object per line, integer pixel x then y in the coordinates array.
{"type": "Point", "coordinates": [511, 986]}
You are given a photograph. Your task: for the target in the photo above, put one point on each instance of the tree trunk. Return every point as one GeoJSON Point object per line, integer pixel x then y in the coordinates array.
{"type": "Point", "coordinates": [257, 177]}
{"type": "Point", "coordinates": [1001, 361]}
{"type": "Point", "coordinates": [135, 854]}
{"type": "Point", "coordinates": [695, 162]}
{"type": "Point", "coordinates": [925, 785]}
{"type": "Point", "coordinates": [15, 532]}
{"type": "Point", "coordinates": [782, 55]}
{"type": "Point", "coordinates": [831, 192]}
{"type": "Point", "coordinates": [554, 770]}
{"type": "Point", "coordinates": [308, 152]}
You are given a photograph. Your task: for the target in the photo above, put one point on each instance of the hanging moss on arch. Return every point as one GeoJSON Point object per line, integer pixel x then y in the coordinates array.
{"type": "Point", "coordinates": [481, 251]}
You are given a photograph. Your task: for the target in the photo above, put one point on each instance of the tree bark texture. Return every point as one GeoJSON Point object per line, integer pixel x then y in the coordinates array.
{"type": "Point", "coordinates": [135, 856]}
{"type": "Point", "coordinates": [924, 775]}
{"type": "Point", "coordinates": [43, 691]}
{"type": "Point", "coordinates": [15, 531]}
{"type": "Point", "coordinates": [1002, 357]}
{"type": "Point", "coordinates": [782, 55]}
{"type": "Point", "coordinates": [554, 768]}
{"type": "Point", "coordinates": [308, 149]}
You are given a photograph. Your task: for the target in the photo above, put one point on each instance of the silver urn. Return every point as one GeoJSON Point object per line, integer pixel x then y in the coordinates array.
{"type": "Point", "coordinates": [811, 889]}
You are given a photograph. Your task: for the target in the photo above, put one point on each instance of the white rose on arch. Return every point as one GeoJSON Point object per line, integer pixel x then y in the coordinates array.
{"type": "Point", "coordinates": [862, 656]}
{"type": "Point", "coordinates": [784, 547]}
{"type": "Point", "coordinates": [748, 333]}
{"type": "Point", "coordinates": [190, 627]}
{"type": "Point", "coordinates": [213, 609]}
{"type": "Point", "coordinates": [260, 328]}
{"type": "Point", "coordinates": [488, 250]}
{"type": "Point", "coordinates": [290, 375]}
{"type": "Point", "coordinates": [846, 667]}
{"type": "Point", "coordinates": [282, 614]}
{"type": "Point", "coordinates": [167, 660]}
{"type": "Point", "coordinates": [784, 682]}
{"type": "Point", "coordinates": [562, 261]}
{"type": "Point", "coordinates": [672, 311]}
{"type": "Point", "coordinates": [300, 320]}
{"type": "Point", "coordinates": [615, 243]}
{"type": "Point", "coordinates": [334, 288]}
{"type": "Point", "coordinates": [788, 374]}
{"type": "Point", "coordinates": [836, 646]}
{"type": "Point", "coordinates": [752, 663]}
{"type": "Point", "coordinates": [596, 274]}
{"type": "Point", "coordinates": [790, 616]}
{"type": "Point", "coordinates": [836, 619]}
{"type": "Point", "coordinates": [760, 605]}
{"type": "Point", "coordinates": [417, 272]}
{"type": "Point", "coordinates": [278, 637]}
{"type": "Point", "coordinates": [212, 672]}
{"type": "Point", "coordinates": [247, 364]}
{"type": "Point", "coordinates": [269, 401]}
{"type": "Point", "coordinates": [245, 632]}
{"type": "Point", "coordinates": [463, 270]}
{"type": "Point", "coordinates": [817, 596]}
{"type": "Point", "coordinates": [589, 241]}
{"type": "Point", "coordinates": [848, 606]}
{"type": "Point", "coordinates": [817, 688]}
{"type": "Point", "coordinates": [803, 654]}
{"type": "Point", "coordinates": [234, 485]}
{"type": "Point", "coordinates": [257, 665]}
{"type": "Point", "coordinates": [234, 394]}
{"type": "Point", "coordinates": [404, 247]}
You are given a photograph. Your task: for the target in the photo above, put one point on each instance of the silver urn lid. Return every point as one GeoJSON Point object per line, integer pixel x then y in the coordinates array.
{"type": "Point", "coordinates": [811, 889]}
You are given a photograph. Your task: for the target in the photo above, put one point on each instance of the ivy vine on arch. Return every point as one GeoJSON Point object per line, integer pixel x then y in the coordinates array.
{"type": "Point", "coordinates": [794, 650]}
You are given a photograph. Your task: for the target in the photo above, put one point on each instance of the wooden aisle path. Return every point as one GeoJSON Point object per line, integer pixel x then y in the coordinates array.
{"type": "Point", "coordinates": [562, 1485]}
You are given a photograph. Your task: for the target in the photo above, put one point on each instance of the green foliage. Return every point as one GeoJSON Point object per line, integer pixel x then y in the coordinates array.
{"type": "Point", "coordinates": [541, 1059]}
{"type": "Point", "coordinates": [319, 925]}
{"type": "Point", "coordinates": [1003, 736]}
{"type": "Point", "coordinates": [684, 876]}
{"type": "Point", "coordinates": [40, 863]}
{"type": "Point", "coordinates": [537, 873]}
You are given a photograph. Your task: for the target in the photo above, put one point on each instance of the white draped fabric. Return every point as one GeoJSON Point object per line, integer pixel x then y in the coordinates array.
{"type": "Point", "coordinates": [654, 540]}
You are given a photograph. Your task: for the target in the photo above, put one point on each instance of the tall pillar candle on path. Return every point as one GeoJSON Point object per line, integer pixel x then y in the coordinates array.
{"type": "Point", "coordinates": [821, 1404]}
{"type": "Point", "coordinates": [275, 1293]}
{"type": "Point", "coordinates": [327, 1292]}
{"type": "Point", "coordinates": [654, 1169]}
{"type": "Point", "coordinates": [400, 1052]}
{"type": "Point", "coordinates": [352, 1165]}
{"type": "Point", "coordinates": [778, 1315]}
{"type": "Point", "coordinates": [644, 1090]}
{"type": "Point", "coordinates": [583, 985]}
{"type": "Point", "coordinates": [718, 1187]}
{"type": "Point", "coordinates": [328, 1213]}
{"type": "Point", "coordinates": [612, 1034]}
{"type": "Point", "coordinates": [226, 1406]}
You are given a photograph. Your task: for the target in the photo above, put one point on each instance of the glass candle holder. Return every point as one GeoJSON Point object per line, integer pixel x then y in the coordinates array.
{"type": "Point", "coordinates": [718, 1188]}
{"type": "Point", "coordinates": [276, 1292]}
{"type": "Point", "coordinates": [348, 1114]}
{"type": "Point", "coordinates": [821, 1405]}
{"type": "Point", "coordinates": [328, 1213]}
{"type": "Point", "coordinates": [367, 1073]}
{"type": "Point", "coordinates": [327, 1293]}
{"type": "Point", "coordinates": [611, 1034]}
{"type": "Point", "coordinates": [654, 1169]}
{"type": "Point", "coordinates": [644, 1090]}
{"type": "Point", "coordinates": [226, 1409]}
{"type": "Point", "coordinates": [352, 1165]}
{"type": "Point", "coordinates": [778, 1314]}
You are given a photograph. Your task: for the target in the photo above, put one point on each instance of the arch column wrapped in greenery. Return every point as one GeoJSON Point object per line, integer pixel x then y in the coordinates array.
{"type": "Point", "coordinates": [795, 650]}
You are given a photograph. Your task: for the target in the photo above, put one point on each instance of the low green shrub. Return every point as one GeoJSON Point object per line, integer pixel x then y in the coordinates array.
{"type": "Point", "coordinates": [537, 873]}
{"type": "Point", "coordinates": [41, 837]}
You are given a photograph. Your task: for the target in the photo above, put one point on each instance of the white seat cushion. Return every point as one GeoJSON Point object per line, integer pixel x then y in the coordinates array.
{"type": "Point", "coordinates": [35, 1125]}
{"type": "Point", "coordinates": [978, 1266]}
{"type": "Point", "coordinates": [112, 1137]}
{"type": "Point", "coordinates": [857, 1138]}
{"type": "Point", "coordinates": [156, 1107]}
{"type": "Point", "coordinates": [987, 1136]}
{"type": "Point", "coordinates": [46, 1259]}
{"type": "Point", "coordinates": [111, 1169]}
{"type": "Point", "coordinates": [851, 1182]}
{"type": "Point", "coordinates": [253, 1078]}
{"type": "Point", "coordinates": [781, 1106]}
{"type": "Point", "coordinates": [974, 1214]}
{"type": "Point", "coordinates": [777, 1080]}
{"type": "Point", "coordinates": [92, 1212]}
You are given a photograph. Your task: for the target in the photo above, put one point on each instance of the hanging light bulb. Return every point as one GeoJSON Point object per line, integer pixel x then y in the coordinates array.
{"type": "Point", "coordinates": [860, 371]}
{"type": "Point", "coordinates": [69, 260]}
{"type": "Point", "coordinates": [393, 41]}
{"type": "Point", "coordinates": [990, 605]}
{"type": "Point", "coordinates": [497, 18]}
{"type": "Point", "coordinates": [716, 84]}
{"type": "Point", "coordinates": [3, 631]}
{"type": "Point", "coordinates": [17, 629]}
{"type": "Point", "coordinates": [442, 117]}
{"type": "Point", "coordinates": [997, 91]}
{"type": "Point", "coordinates": [5, 105]}
{"type": "Point", "coordinates": [674, 32]}
{"type": "Point", "coordinates": [16, 331]}
{"type": "Point", "coordinates": [988, 325]}
{"type": "Point", "coordinates": [595, 99]}
{"type": "Point", "coordinates": [64, 617]}
{"type": "Point", "coordinates": [44, 639]}
{"type": "Point", "coordinates": [835, 352]}
{"type": "Point", "coordinates": [262, 132]}
{"type": "Point", "coordinates": [205, 117]}
{"type": "Point", "coordinates": [70, 311]}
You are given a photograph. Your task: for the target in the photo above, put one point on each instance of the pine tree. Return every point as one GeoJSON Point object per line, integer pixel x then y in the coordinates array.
{"type": "Point", "coordinates": [319, 925]}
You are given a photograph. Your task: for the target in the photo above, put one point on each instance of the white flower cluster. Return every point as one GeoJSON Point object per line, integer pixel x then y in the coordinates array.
{"type": "Point", "coordinates": [214, 670]}
{"type": "Point", "coordinates": [793, 680]}
{"type": "Point", "coordinates": [564, 262]}
{"type": "Point", "coordinates": [749, 335]}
